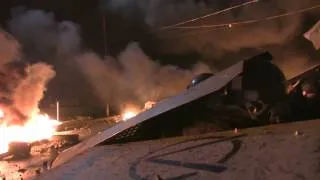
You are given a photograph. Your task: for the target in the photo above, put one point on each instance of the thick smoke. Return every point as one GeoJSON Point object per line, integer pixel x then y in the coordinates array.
{"type": "Point", "coordinates": [41, 36]}
{"type": "Point", "coordinates": [133, 77]}
{"type": "Point", "coordinates": [31, 89]}
{"type": "Point", "coordinates": [43, 39]}
{"type": "Point", "coordinates": [225, 46]}
{"type": "Point", "coordinates": [22, 85]}
{"type": "Point", "coordinates": [129, 78]}
{"type": "Point", "coordinates": [231, 40]}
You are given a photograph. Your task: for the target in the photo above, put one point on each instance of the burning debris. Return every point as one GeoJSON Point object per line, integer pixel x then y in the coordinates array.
{"type": "Point", "coordinates": [128, 115]}
{"type": "Point", "coordinates": [129, 112]}
{"type": "Point", "coordinates": [38, 128]}
{"type": "Point", "coordinates": [149, 105]}
{"type": "Point", "coordinates": [21, 88]}
{"type": "Point", "coordinates": [19, 149]}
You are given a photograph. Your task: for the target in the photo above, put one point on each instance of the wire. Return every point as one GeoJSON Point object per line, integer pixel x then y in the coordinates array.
{"type": "Point", "coordinates": [201, 32]}
{"type": "Point", "coordinates": [209, 28]}
{"type": "Point", "coordinates": [208, 15]}
{"type": "Point", "coordinates": [229, 25]}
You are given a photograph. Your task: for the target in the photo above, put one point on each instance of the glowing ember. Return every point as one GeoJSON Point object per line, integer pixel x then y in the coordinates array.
{"type": "Point", "coordinates": [149, 105]}
{"type": "Point", "coordinates": [128, 115]}
{"type": "Point", "coordinates": [40, 127]}
{"type": "Point", "coordinates": [129, 111]}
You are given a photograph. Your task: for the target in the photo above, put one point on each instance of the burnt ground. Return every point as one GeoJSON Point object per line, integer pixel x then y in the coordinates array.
{"type": "Point", "coordinates": [284, 151]}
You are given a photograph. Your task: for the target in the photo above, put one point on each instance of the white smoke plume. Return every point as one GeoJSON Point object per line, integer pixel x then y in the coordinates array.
{"type": "Point", "coordinates": [134, 78]}
{"type": "Point", "coordinates": [22, 85]}
{"type": "Point", "coordinates": [30, 90]}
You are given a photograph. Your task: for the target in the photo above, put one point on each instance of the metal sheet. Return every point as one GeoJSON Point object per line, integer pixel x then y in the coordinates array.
{"type": "Point", "coordinates": [209, 86]}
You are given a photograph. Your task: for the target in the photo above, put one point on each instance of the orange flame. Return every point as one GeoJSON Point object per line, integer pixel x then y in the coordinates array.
{"type": "Point", "coordinates": [128, 115]}
{"type": "Point", "coordinates": [129, 112]}
{"type": "Point", "coordinates": [39, 127]}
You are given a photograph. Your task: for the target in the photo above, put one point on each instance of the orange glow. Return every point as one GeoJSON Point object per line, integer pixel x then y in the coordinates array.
{"type": "Point", "coordinates": [39, 127]}
{"type": "Point", "coordinates": [128, 115]}
{"type": "Point", "coordinates": [149, 105]}
{"type": "Point", "coordinates": [129, 112]}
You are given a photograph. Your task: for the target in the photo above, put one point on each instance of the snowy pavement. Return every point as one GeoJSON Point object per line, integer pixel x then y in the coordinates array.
{"type": "Point", "coordinates": [286, 152]}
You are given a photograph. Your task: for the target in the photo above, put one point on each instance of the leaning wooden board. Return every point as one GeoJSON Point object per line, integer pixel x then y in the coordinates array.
{"type": "Point", "coordinates": [209, 86]}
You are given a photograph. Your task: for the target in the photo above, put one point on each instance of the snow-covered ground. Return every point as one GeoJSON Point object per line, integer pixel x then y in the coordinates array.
{"type": "Point", "coordinates": [274, 152]}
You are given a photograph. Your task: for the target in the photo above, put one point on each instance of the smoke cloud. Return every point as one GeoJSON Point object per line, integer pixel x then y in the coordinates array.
{"type": "Point", "coordinates": [131, 77]}
{"type": "Point", "coordinates": [41, 36]}
{"type": "Point", "coordinates": [31, 89]}
{"type": "Point", "coordinates": [44, 39]}
{"type": "Point", "coordinates": [22, 85]}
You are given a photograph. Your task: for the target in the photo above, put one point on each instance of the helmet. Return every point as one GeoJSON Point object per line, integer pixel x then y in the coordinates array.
{"type": "Point", "coordinates": [199, 78]}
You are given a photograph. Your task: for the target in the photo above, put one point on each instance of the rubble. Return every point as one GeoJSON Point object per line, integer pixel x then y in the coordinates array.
{"type": "Point", "coordinates": [19, 149]}
{"type": "Point", "coordinates": [70, 139]}
{"type": "Point", "coordinates": [22, 170]}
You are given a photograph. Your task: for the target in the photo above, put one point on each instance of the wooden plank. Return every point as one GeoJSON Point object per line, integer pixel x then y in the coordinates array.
{"type": "Point", "coordinates": [209, 86]}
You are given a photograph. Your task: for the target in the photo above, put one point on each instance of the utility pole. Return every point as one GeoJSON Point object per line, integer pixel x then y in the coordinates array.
{"type": "Point", "coordinates": [58, 109]}
{"type": "Point", "coordinates": [104, 28]}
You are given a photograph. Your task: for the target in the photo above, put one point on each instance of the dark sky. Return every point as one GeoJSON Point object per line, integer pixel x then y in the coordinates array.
{"type": "Point", "coordinates": [75, 10]}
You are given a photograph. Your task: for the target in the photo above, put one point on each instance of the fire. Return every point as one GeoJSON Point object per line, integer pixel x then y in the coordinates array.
{"type": "Point", "coordinates": [129, 112]}
{"type": "Point", "coordinates": [128, 115]}
{"type": "Point", "coordinates": [149, 105]}
{"type": "Point", "coordinates": [132, 110]}
{"type": "Point", "coordinates": [39, 127]}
